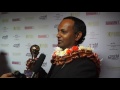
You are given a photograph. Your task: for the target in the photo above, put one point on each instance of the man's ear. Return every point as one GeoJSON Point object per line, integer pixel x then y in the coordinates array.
{"type": "Point", "coordinates": [78, 36]}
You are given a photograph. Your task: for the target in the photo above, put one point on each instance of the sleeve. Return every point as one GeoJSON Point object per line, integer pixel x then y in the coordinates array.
{"type": "Point", "coordinates": [42, 73]}
{"type": "Point", "coordinates": [83, 68]}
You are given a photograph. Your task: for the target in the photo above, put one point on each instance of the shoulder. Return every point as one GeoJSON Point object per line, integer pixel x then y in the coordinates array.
{"type": "Point", "coordinates": [83, 61]}
{"type": "Point", "coordinates": [83, 68]}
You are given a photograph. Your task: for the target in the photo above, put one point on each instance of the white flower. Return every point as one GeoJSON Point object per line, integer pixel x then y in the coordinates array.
{"type": "Point", "coordinates": [62, 53]}
{"type": "Point", "coordinates": [57, 53]}
{"type": "Point", "coordinates": [66, 51]}
{"type": "Point", "coordinates": [58, 49]}
{"type": "Point", "coordinates": [89, 48]}
{"type": "Point", "coordinates": [81, 47]}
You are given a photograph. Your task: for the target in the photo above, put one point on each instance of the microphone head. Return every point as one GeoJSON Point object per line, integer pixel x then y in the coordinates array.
{"type": "Point", "coordinates": [38, 63]}
{"type": "Point", "coordinates": [17, 74]}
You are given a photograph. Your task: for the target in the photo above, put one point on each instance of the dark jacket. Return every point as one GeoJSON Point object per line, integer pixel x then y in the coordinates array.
{"type": "Point", "coordinates": [4, 67]}
{"type": "Point", "coordinates": [78, 68]}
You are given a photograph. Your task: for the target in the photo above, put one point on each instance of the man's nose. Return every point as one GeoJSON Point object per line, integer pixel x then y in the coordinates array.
{"type": "Point", "coordinates": [57, 35]}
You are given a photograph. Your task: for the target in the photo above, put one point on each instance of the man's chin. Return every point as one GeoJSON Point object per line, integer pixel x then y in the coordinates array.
{"type": "Point", "coordinates": [59, 45]}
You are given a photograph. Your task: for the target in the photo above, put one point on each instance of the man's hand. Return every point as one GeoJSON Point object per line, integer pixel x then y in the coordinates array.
{"type": "Point", "coordinates": [30, 63]}
{"type": "Point", "coordinates": [7, 75]}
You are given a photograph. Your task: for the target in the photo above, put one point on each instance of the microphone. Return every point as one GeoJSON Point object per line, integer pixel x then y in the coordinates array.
{"type": "Point", "coordinates": [38, 65]}
{"type": "Point", "coordinates": [17, 74]}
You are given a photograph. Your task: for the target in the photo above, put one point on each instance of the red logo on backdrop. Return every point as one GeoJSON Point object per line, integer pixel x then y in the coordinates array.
{"type": "Point", "coordinates": [43, 36]}
{"type": "Point", "coordinates": [113, 22]}
{"type": "Point", "coordinates": [16, 62]}
{"type": "Point", "coordinates": [16, 19]}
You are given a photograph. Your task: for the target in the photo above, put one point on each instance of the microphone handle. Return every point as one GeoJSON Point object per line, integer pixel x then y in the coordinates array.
{"type": "Point", "coordinates": [34, 75]}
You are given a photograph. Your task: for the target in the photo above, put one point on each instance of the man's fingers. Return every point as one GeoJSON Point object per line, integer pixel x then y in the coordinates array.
{"type": "Point", "coordinates": [7, 75]}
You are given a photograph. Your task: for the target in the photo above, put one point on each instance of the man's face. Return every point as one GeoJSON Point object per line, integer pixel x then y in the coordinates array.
{"type": "Point", "coordinates": [66, 35]}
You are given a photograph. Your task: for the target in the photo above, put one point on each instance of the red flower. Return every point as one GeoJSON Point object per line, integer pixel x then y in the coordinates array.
{"type": "Point", "coordinates": [68, 52]}
{"type": "Point", "coordinates": [75, 48]}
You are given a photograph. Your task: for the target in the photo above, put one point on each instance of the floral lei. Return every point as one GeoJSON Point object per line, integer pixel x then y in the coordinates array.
{"type": "Point", "coordinates": [61, 57]}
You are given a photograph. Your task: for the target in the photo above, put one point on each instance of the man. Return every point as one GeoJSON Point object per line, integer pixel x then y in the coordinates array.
{"type": "Point", "coordinates": [70, 60]}
{"type": "Point", "coordinates": [4, 67]}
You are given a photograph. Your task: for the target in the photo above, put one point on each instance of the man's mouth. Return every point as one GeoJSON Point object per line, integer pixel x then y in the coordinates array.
{"type": "Point", "coordinates": [59, 41]}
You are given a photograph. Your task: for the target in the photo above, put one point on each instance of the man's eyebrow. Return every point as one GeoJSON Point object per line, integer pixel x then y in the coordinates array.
{"type": "Point", "coordinates": [61, 29]}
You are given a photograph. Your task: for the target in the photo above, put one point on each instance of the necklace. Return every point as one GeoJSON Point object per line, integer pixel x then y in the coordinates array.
{"type": "Point", "coordinates": [62, 57]}
{"type": "Point", "coordinates": [68, 51]}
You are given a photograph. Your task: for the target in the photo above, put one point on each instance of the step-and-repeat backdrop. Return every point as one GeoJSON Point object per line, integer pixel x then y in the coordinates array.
{"type": "Point", "coordinates": [20, 30]}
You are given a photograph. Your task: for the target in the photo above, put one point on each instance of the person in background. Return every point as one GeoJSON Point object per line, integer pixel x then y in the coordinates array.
{"type": "Point", "coordinates": [4, 67]}
{"type": "Point", "coordinates": [70, 59]}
